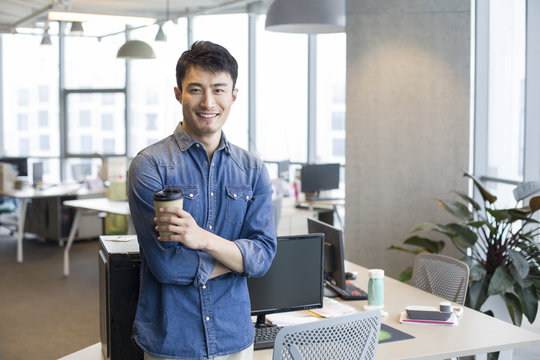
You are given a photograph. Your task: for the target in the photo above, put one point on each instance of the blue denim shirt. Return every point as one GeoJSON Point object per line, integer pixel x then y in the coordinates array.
{"type": "Point", "coordinates": [181, 313]}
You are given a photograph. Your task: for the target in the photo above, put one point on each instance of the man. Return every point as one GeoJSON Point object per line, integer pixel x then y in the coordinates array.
{"type": "Point", "coordinates": [194, 302]}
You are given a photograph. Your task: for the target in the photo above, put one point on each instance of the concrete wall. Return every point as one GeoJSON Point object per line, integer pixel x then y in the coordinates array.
{"type": "Point", "coordinates": [408, 99]}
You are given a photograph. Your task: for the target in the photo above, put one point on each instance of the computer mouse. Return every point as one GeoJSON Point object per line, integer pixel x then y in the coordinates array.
{"type": "Point", "coordinates": [350, 276]}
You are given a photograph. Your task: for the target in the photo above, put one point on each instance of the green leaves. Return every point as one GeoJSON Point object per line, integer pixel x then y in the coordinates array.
{"type": "Point", "coordinates": [529, 301]}
{"type": "Point", "coordinates": [462, 235]}
{"type": "Point", "coordinates": [428, 244]}
{"type": "Point", "coordinates": [500, 282]}
{"type": "Point", "coordinates": [486, 195]}
{"type": "Point", "coordinates": [520, 263]}
{"type": "Point", "coordinates": [514, 308]}
{"type": "Point", "coordinates": [456, 208]}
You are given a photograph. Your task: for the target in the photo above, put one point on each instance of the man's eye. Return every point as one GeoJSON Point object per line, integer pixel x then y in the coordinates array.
{"type": "Point", "coordinates": [193, 91]}
{"type": "Point", "coordinates": [220, 90]}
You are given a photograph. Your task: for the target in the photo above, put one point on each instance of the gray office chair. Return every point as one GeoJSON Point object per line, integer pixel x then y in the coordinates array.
{"type": "Point", "coordinates": [442, 276]}
{"type": "Point", "coordinates": [353, 336]}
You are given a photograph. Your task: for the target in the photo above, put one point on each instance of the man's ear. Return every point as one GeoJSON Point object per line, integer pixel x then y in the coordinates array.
{"type": "Point", "coordinates": [178, 94]}
{"type": "Point", "coordinates": [234, 94]}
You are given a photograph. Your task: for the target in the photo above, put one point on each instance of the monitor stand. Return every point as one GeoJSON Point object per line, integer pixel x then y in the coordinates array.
{"type": "Point", "coordinates": [327, 292]}
{"type": "Point", "coordinates": [261, 321]}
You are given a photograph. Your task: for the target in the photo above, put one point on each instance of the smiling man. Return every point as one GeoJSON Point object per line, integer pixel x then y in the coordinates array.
{"type": "Point", "coordinates": [194, 302]}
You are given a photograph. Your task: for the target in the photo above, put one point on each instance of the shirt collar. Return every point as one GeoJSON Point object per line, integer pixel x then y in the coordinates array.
{"type": "Point", "coordinates": [185, 141]}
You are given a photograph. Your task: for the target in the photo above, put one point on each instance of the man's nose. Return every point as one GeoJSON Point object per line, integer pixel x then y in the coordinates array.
{"type": "Point", "coordinates": [208, 100]}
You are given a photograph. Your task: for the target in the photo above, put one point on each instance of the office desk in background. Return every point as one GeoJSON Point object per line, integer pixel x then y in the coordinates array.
{"type": "Point", "coordinates": [96, 205]}
{"type": "Point", "coordinates": [476, 333]}
{"type": "Point", "coordinates": [55, 191]}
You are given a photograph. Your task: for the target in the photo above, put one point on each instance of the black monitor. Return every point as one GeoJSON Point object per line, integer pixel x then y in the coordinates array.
{"type": "Point", "coordinates": [317, 177]}
{"type": "Point", "coordinates": [294, 280]}
{"type": "Point", "coordinates": [283, 169]}
{"type": "Point", "coordinates": [334, 260]}
{"type": "Point", "coordinates": [20, 164]}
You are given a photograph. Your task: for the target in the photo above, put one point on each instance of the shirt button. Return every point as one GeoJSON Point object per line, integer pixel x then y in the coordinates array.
{"type": "Point", "coordinates": [211, 194]}
{"type": "Point", "coordinates": [197, 145]}
{"type": "Point", "coordinates": [207, 318]}
{"type": "Point", "coordinates": [204, 286]}
{"type": "Point", "coordinates": [234, 195]}
{"type": "Point", "coordinates": [210, 227]}
{"type": "Point", "coordinates": [247, 197]}
{"type": "Point", "coordinates": [190, 195]}
{"type": "Point", "coordinates": [213, 164]}
{"type": "Point", "coordinates": [205, 163]}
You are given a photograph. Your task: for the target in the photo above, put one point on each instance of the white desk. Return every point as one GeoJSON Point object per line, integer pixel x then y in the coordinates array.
{"type": "Point", "coordinates": [26, 194]}
{"type": "Point", "coordinates": [97, 205]}
{"type": "Point", "coordinates": [476, 333]}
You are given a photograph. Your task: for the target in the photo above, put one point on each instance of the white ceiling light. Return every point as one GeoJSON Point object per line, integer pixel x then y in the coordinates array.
{"type": "Point", "coordinates": [85, 17]}
{"type": "Point", "coordinates": [46, 39]}
{"type": "Point", "coordinates": [306, 16]}
{"type": "Point", "coordinates": [135, 49]}
{"type": "Point", "coordinates": [76, 28]}
{"type": "Point", "coordinates": [160, 36]}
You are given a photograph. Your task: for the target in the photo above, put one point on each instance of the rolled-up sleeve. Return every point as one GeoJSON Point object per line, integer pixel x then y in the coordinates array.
{"type": "Point", "coordinates": [169, 262]}
{"type": "Point", "coordinates": [257, 241]}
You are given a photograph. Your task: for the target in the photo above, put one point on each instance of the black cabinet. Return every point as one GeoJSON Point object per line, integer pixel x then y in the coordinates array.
{"type": "Point", "coordinates": [119, 267]}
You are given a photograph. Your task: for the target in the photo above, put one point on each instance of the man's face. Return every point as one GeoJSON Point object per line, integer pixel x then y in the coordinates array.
{"type": "Point", "coordinates": [206, 100]}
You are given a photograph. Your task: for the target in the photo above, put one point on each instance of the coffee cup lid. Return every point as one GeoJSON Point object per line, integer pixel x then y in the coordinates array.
{"type": "Point", "coordinates": [168, 194]}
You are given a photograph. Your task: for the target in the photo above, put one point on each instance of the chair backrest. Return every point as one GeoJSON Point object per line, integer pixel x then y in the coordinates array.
{"type": "Point", "coordinates": [278, 201]}
{"type": "Point", "coordinates": [442, 276]}
{"type": "Point", "coordinates": [354, 336]}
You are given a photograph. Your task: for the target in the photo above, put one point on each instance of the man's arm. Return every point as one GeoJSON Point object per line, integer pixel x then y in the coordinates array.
{"type": "Point", "coordinates": [186, 231]}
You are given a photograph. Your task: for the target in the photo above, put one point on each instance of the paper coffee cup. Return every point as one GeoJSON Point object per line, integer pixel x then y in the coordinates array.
{"type": "Point", "coordinates": [167, 198]}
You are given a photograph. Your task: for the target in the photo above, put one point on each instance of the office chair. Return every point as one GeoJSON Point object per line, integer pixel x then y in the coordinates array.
{"type": "Point", "coordinates": [442, 276]}
{"type": "Point", "coordinates": [8, 206]}
{"type": "Point", "coordinates": [353, 336]}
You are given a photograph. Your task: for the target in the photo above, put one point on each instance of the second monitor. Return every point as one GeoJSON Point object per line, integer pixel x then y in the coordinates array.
{"type": "Point", "coordinates": [334, 262]}
{"type": "Point", "coordinates": [318, 177]}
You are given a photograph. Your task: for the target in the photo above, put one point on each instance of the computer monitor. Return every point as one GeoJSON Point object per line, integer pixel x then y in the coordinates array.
{"type": "Point", "coordinates": [283, 169]}
{"type": "Point", "coordinates": [20, 164]}
{"type": "Point", "coordinates": [37, 173]}
{"type": "Point", "coordinates": [334, 260]}
{"type": "Point", "coordinates": [317, 177]}
{"type": "Point", "coordinates": [294, 280]}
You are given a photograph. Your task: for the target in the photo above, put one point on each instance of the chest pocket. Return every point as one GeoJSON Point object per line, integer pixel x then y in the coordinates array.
{"type": "Point", "coordinates": [191, 200]}
{"type": "Point", "coordinates": [237, 198]}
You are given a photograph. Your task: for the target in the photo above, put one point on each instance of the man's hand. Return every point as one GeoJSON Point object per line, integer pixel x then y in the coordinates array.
{"type": "Point", "coordinates": [186, 231]}
{"type": "Point", "coordinates": [184, 228]}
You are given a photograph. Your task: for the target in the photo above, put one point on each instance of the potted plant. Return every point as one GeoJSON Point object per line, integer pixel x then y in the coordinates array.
{"type": "Point", "coordinates": [497, 244]}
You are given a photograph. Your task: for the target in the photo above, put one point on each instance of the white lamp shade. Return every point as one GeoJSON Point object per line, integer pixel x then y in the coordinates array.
{"type": "Point", "coordinates": [46, 39]}
{"type": "Point", "coordinates": [306, 16]}
{"type": "Point", "coordinates": [135, 49]}
{"type": "Point", "coordinates": [160, 36]}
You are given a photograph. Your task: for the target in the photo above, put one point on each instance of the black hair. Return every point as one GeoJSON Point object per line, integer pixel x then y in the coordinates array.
{"type": "Point", "coordinates": [208, 56]}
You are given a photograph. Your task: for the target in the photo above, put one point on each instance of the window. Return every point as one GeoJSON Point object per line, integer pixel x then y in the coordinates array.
{"type": "Point", "coordinates": [233, 35]}
{"type": "Point", "coordinates": [108, 146]}
{"type": "Point", "coordinates": [107, 121]}
{"type": "Point", "coordinates": [22, 122]}
{"type": "Point", "coordinates": [331, 74]}
{"type": "Point", "coordinates": [44, 143]}
{"type": "Point", "coordinates": [151, 122]}
{"type": "Point", "coordinates": [88, 130]}
{"type": "Point", "coordinates": [84, 118]}
{"type": "Point", "coordinates": [281, 95]}
{"type": "Point", "coordinates": [43, 119]}
{"type": "Point", "coordinates": [43, 94]}
{"type": "Point", "coordinates": [30, 94]}
{"type": "Point", "coordinates": [151, 85]}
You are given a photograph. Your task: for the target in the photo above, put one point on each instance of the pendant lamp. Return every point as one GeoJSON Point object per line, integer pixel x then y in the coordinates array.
{"type": "Point", "coordinates": [135, 49]}
{"type": "Point", "coordinates": [306, 16]}
{"type": "Point", "coordinates": [76, 28]}
{"type": "Point", "coordinates": [46, 39]}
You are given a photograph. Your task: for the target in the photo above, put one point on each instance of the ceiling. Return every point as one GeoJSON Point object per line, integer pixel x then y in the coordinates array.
{"type": "Point", "coordinates": [33, 13]}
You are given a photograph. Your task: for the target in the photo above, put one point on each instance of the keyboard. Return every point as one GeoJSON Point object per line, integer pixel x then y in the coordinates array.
{"type": "Point", "coordinates": [351, 293]}
{"type": "Point", "coordinates": [265, 336]}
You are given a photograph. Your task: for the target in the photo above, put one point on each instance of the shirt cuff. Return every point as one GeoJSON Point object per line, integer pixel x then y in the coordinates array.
{"type": "Point", "coordinates": [207, 263]}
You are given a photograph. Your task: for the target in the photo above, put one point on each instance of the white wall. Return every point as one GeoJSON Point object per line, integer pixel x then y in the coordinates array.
{"type": "Point", "coordinates": [408, 90]}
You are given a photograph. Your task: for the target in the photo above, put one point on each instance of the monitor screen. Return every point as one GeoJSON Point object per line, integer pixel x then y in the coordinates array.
{"type": "Point", "coordinates": [290, 284]}
{"type": "Point", "coordinates": [283, 169]}
{"type": "Point", "coordinates": [20, 164]}
{"type": "Point", "coordinates": [317, 177]}
{"type": "Point", "coordinates": [334, 266]}
{"type": "Point", "coordinates": [37, 173]}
